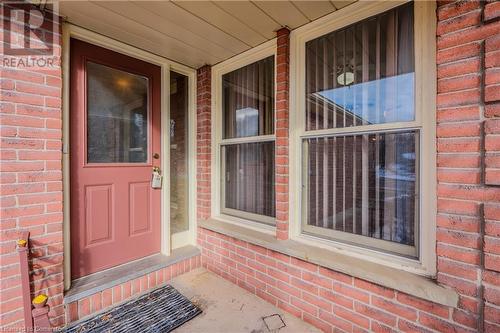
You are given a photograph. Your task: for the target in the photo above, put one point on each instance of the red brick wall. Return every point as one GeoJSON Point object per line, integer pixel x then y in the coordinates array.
{"type": "Point", "coordinates": [468, 200]}
{"type": "Point", "coordinates": [468, 153]}
{"type": "Point", "coordinates": [468, 195]}
{"type": "Point", "coordinates": [203, 135]}
{"type": "Point", "coordinates": [31, 181]}
{"type": "Point", "coordinates": [281, 130]}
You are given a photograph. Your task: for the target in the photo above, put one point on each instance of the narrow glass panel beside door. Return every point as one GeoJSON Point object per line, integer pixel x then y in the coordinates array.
{"type": "Point", "coordinates": [179, 217]}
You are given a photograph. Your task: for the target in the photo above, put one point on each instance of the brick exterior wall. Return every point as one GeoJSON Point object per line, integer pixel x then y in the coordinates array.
{"type": "Point", "coordinates": [468, 220]}
{"type": "Point", "coordinates": [468, 65]}
{"type": "Point", "coordinates": [281, 130]}
{"type": "Point", "coordinates": [89, 305]}
{"type": "Point", "coordinates": [204, 141]}
{"type": "Point", "coordinates": [31, 179]}
{"type": "Point", "coordinates": [468, 130]}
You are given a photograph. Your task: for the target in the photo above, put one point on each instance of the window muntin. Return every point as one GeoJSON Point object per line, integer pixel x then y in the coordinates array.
{"type": "Point", "coordinates": [361, 142]}
{"type": "Point", "coordinates": [247, 146]}
{"type": "Point", "coordinates": [248, 100]}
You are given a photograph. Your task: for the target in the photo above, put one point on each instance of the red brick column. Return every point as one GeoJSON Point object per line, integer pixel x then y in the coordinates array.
{"type": "Point", "coordinates": [282, 126]}
{"type": "Point", "coordinates": [31, 174]}
{"type": "Point", "coordinates": [203, 137]}
{"type": "Point", "coordinates": [468, 130]}
{"type": "Point", "coordinates": [492, 101]}
{"type": "Point", "coordinates": [491, 95]}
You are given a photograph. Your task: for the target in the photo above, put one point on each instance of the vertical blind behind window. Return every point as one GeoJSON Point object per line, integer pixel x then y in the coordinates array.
{"type": "Point", "coordinates": [248, 110]}
{"type": "Point", "coordinates": [248, 100]}
{"type": "Point", "coordinates": [364, 184]}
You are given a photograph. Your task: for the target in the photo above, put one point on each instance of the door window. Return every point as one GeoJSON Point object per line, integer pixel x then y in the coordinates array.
{"type": "Point", "coordinates": [117, 116]}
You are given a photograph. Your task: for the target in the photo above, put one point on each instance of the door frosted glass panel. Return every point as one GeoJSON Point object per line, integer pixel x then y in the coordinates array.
{"type": "Point", "coordinates": [178, 152]}
{"type": "Point", "coordinates": [117, 116]}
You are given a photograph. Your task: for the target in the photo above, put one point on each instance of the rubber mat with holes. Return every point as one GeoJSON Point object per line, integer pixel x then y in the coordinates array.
{"type": "Point", "coordinates": [159, 311]}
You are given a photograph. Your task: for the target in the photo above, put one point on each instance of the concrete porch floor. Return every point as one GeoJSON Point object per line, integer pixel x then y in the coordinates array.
{"type": "Point", "coordinates": [228, 308]}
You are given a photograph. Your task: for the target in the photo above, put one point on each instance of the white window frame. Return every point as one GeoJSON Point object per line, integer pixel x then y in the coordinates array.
{"type": "Point", "coordinates": [425, 96]}
{"type": "Point", "coordinates": [249, 220]}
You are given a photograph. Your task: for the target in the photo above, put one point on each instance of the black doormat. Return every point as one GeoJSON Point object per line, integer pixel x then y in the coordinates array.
{"type": "Point", "coordinates": [159, 311]}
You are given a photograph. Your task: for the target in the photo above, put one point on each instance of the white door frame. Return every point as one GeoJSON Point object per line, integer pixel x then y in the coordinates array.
{"type": "Point", "coordinates": [167, 242]}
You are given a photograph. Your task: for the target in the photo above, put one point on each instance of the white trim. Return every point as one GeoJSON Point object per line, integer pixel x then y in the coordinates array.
{"type": "Point", "coordinates": [363, 129]}
{"type": "Point", "coordinates": [65, 158]}
{"type": "Point", "coordinates": [166, 65]}
{"type": "Point", "coordinates": [248, 139]}
{"type": "Point", "coordinates": [425, 70]}
{"type": "Point", "coordinates": [426, 88]}
{"type": "Point", "coordinates": [253, 55]}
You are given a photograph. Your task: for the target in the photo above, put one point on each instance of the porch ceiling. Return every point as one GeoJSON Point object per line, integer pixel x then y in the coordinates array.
{"type": "Point", "coordinates": [194, 33]}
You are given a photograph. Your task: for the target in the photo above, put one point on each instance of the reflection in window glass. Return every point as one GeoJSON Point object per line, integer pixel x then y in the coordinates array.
{"type": "Point", "coordinates": [179, 195]}
{"type": "Point", "coordinates": [248, 100]}
{"type": "Point", "coordinates": [117, 116]}
{"type": "Point", "coordinates": [247, 122]}
{"type": "Point", "coordinates": [362, 74]}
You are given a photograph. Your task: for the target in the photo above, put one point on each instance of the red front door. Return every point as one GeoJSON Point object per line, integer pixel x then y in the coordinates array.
{"type": "Point", "coordinates": [115, 143]}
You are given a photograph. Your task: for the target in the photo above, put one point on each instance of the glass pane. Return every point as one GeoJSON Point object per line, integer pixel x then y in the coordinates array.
{"type": "Point", "coordinates": [249, 177]}
{"type": "Point", "coordinates": [362, 74]}
{"type": "Point", "coordinates": [248, 100]}
{"type": "Point", "coordinates": [364, 184]}
{"type": "Point", "coordinates": [117, 116]}
{"type": "Point", "coordinates": [178, 153]}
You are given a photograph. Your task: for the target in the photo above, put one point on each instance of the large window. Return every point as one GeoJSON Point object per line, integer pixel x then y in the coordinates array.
{"type": "Point", "coordinates": [361, 138]}
{"type": "Point", "coordinates": [247, 143]}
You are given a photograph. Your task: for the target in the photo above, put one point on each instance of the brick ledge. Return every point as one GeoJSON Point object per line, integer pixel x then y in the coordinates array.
{"type": "Point", "coordinates": [406, 282]}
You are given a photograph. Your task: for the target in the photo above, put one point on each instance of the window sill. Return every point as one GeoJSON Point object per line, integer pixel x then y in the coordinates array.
{"type": "Point", "coordinates": [409, 283]}
{"type": "Point", "coordinates": [266, 228]}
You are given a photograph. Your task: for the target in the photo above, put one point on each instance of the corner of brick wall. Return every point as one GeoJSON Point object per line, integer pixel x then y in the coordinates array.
{"type": "Point", "coordinates": [468, 130]}
{"type": "Point", "coordinates": [492, 104]}
{"type": "Point", "coordinates": [31, 180]}
{"type": "Point", "coordinates": [203, 139]}
{"type": "Point", "coordinates": [281, 130]}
